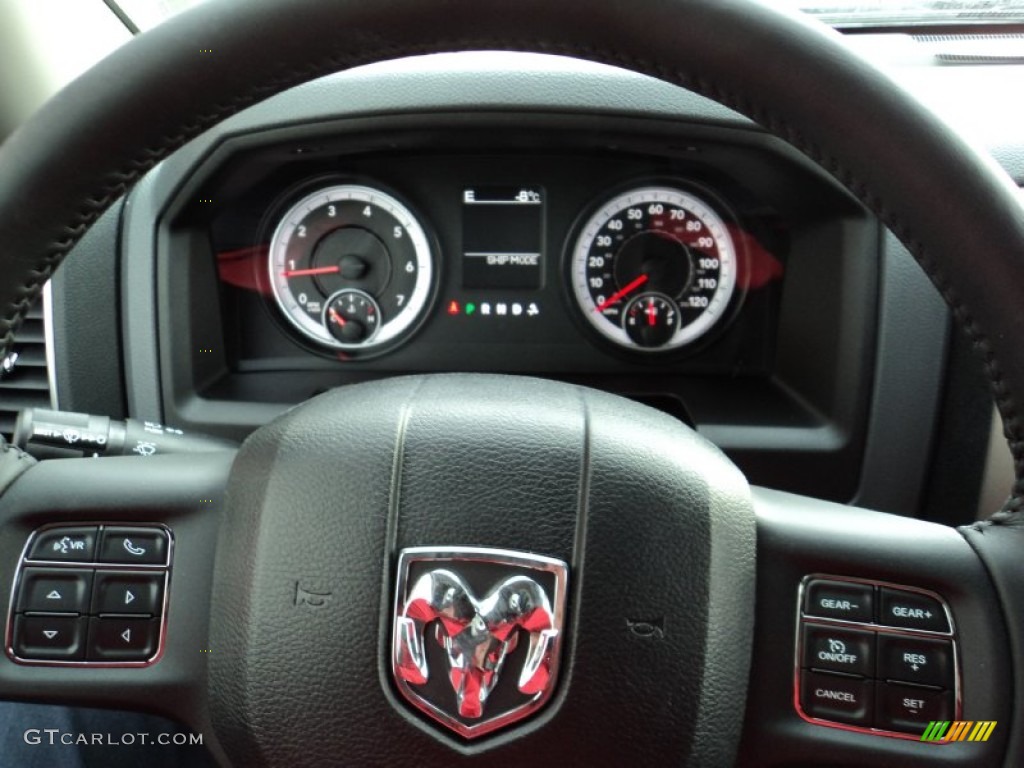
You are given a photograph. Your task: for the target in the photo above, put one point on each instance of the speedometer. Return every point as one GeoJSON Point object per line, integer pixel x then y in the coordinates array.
{"type": "Point", "coordinates": [654, 269]}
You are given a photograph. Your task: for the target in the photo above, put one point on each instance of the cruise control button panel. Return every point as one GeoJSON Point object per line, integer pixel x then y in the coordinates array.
{"type": "Point", "coordinates": [91, 594]}
{"type": "Point", "coordinates": [880, 658]}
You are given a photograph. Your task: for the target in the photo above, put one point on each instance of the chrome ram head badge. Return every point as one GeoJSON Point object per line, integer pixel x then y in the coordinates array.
{"type": "Point", "coordinates": [461, 617]}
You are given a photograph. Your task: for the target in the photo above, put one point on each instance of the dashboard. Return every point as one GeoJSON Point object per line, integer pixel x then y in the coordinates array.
{"type": "Point", "coordinates": [550, 259]}
{"type": "Point", "coordinates": [628, 261]}
{"type": "Point", "coordinates": [530, 215]}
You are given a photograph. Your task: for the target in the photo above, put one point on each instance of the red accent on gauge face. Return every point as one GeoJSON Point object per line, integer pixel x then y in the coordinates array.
{"type": "Point", "coordinates": [618, 295]}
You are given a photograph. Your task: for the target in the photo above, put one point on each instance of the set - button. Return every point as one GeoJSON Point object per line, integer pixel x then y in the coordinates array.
{"type": "Point", "coordinates": [76, 600]}
{"type": "Point", "coordinates": [858, 665]}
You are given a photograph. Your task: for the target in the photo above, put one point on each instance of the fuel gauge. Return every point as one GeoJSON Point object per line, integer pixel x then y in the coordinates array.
{"type": "Point", "coordinates": [353, 317]}
{"type": "Point", "coordinates": [650, 320]}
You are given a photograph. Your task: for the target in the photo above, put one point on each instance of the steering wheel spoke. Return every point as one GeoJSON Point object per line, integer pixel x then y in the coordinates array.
{"type": "Point", "coordinates": [869, 627]}
{"type": "Point", "coordinates": [109, 564]}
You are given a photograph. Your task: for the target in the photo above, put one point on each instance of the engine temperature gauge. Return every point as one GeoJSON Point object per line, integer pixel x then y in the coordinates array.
{"type": "Point", "coordinates": [651, 320]}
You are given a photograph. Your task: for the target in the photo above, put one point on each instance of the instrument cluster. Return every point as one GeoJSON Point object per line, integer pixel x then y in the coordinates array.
{"type": "Point", "coordinates": [351, 268]}
{"type": "Point", "coordinates": [506, 262]}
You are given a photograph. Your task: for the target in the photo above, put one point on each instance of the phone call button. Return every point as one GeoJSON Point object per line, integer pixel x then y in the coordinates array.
{"type": "Point", "coordinates": [134, 545]}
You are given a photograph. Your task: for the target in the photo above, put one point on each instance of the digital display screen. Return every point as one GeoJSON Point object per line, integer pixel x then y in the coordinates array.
{"type": "Point", "coordinates": [502, 229]}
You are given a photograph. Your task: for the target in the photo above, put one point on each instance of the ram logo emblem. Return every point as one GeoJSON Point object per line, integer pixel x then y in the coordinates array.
{"type": "Point", "coordinates": [451, 647]}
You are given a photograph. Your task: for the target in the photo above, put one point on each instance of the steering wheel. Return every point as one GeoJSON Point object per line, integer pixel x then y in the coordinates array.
{"type": "Point", "coordinates": [603, 586]}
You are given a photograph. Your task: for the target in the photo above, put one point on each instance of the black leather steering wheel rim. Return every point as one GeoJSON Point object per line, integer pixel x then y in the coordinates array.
{"type": "Point", "coordinates": [956, 212]}
{"type": "Point", "coordinates": [942, 198]}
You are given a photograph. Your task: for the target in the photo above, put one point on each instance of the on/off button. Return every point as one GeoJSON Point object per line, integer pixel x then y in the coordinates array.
{"type": "Point", "coordinates": [841, 650]}
{"type": "Point", "coordinates": [839, 600]}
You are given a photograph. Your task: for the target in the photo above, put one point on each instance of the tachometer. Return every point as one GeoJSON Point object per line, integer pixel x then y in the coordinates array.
{"type": "Point", "coordinates": [654, 269]}
{"type": "Point", "coordinates": [351, 268]}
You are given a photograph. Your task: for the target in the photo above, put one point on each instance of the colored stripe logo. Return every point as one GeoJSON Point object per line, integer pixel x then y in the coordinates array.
{"type": "Point", "coordinates": [958, 730]}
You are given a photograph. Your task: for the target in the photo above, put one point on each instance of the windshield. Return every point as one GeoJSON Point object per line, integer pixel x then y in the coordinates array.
{"type": "Point", "coordinates": [846, 13]}
{"type": "Point", "coordinates": [842, 13]}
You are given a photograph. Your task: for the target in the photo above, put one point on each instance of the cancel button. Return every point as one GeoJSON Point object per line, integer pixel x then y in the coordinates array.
{"type": "Point", "coordinates": [831, 697]}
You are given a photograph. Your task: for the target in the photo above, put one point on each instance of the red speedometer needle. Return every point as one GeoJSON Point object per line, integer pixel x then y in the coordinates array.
{"type": "Point", "coordinates": [314, 271]}
{"type": "Point", "coordinates": [336, 317]}
{"type": "Point", "coordinates": [633, 285]}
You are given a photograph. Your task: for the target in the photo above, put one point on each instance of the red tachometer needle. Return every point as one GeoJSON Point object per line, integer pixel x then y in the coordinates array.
{"type": "Point", "coordinates": [315, 271]}
{"type": "Point", "coordinates": [633, 285]}
{"type": "Point", "coordinates": [336, 317]}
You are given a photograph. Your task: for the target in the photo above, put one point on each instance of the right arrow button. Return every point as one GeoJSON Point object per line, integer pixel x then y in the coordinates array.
{"type": "Point", "coordinates": [128, 592]}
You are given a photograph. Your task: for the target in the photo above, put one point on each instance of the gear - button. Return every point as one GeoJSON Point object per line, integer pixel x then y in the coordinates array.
{"type": "Point", "coordinates": [840, 600]}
